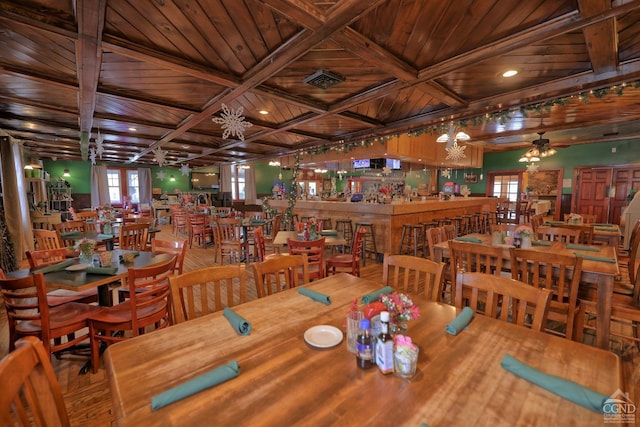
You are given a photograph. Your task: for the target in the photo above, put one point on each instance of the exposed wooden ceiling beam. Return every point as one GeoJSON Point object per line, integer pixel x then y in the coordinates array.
{"type": "Point", "coordinates": [601, 37]}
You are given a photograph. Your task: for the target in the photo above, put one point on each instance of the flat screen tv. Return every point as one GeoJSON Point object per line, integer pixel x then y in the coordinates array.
{"type": "Point", "coordinates": [204, 181]}
{"type": "Point", "coordinates": [363, 163]}
{"type": "Point", "coordinates": [393, 164]}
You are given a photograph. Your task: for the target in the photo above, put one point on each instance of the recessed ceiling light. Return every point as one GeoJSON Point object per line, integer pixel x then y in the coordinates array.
{"type": "Point", "coordinates": [132, 129]}
{"type": "Point", "coordinates": [509, 73]}
{"type": "Point", "coordinates": [263, 112]}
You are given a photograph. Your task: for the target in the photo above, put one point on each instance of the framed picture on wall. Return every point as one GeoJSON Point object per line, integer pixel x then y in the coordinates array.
{"type": "Point", "coordinates": [471, 178]}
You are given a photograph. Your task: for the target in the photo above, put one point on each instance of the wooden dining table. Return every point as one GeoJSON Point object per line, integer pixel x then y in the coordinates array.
{"type": "Point", "coordinates": [599, 274]}
{"type": "Point", "coordinates": [285, 381]}
{"type": "Point", "coordinates": [331, 240]}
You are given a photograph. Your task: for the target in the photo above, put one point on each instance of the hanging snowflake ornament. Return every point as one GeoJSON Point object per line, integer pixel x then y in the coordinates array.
{"type": "Point", "coordinates": [532, 168]}
{"type": "Point", "coordinates": [161, 175]}
{"type": "Point", "coordinates": [232, 122]}
{"type": "Point", "coordinates": [386, 170]}
{"type": "Point", "coordinates": [92, 155]}
{"type": "Point", "coordinates": [185, 169]}
{"type": "Point", "coordinates": [159, 156]}
{"type": "Point", "coordinates": [455, 152]}
{"type": "Point", "coordinates": [446, 173]}
{"type": "Point", "coordinates": [99, 145]}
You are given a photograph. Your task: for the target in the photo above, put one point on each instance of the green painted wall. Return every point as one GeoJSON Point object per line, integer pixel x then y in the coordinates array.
{"type": "Point", "coordinates": [267, 176]}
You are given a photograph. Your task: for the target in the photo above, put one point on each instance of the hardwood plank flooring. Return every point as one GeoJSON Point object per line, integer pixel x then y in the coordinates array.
{"type": "Point", "coordinates": [88, 397]}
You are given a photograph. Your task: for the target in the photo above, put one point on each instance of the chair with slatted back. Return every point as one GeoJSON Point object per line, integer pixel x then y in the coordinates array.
{"type": "Point", "coordinates": [199, 229]}
{"type": "Point", "coordinates": [278, 273]}
{"type": "Point", "coordinates": [31, 393]}
{"type": "Point", "coordinates": [586, 232]}
{"type": "Point", "coordinates": [178, 248]}
{"type": "Point", "coordinates": [473, 258]}
{"type": "Point", "coordinates": [202, 291]}
{"type": "Point", "coordinates": [28, 314]}
{"type": "Point", "coordinates": [70, 227]}
{"type": "Point", "coordinates": [348, 263]}
{"type": "Point", "coordinates": [87, 215]}
{"type": "Point", "coordinates": [506, 228]}
{"type": "Point", "coordinates": [148, 307]}
{"type": "Point", "coordinates": [558, 273]}
{"type": "Point", "coordinates": [410, 274]}
{"type": "Point", "coordinates": [260, 245]}
{"type": "Point", "coordinates": [229, 240]}
{"type": "Point", "coordinates": [434, 236]}
{"type": "Point", "coordinates": [43, 258]}
{"type": "Point", "coordinates": [503, 298]}
{"type": "Point", "coordinates": [558, 234]}
{"type": "Point", "coordinates": [179, 218]}
{"type": "Point", "coordinates": [450, 231]}
{"type": "Point", "coordinates": [536, 221]}
{"type": "Point", "coordinates": [133, 237]}
{"type": "Point", "coordinates": [47, 239]}
{"type": "Point", "coordinates": [315, 255]}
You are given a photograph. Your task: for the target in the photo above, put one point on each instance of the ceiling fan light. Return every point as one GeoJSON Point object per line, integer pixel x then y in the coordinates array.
{"type": "Point", "coordinates": [443, 138]}
{"type": "Point", "coordinates": [461, 136]}
{"type": "Point", "coordinates": [551, 152]}
{"type": "Point", "coordinates": [534, 159]}
{"type": "Point", "coordinates": [524, 158]}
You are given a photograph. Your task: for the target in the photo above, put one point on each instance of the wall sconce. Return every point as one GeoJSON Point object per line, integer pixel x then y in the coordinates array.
{"type": "Point", "coordinates": [172, 178]}
{"type": "Point", "coordinates": [66, 173]}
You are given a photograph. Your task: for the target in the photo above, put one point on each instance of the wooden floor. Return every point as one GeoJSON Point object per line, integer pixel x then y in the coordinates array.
{"type": "Point", "coordinates": [88, 397]}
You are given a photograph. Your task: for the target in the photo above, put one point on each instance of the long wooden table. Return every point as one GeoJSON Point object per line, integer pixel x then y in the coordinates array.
{"type": "Point", "coordinates": [284, 381]}
{"type": "Point", "coordinates": [280, 240]}
{"type": "Point", "coordinates": [598, 273]}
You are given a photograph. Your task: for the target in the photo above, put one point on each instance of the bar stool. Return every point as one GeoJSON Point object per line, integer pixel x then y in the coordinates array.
{"type": "Point", "coordinates": [345, 226]}
{"type": "Point", "coordinates": [484, 222]}
{"type": "Point", "coordinates": [466, 224]}
{"type": "Point", "coordinates": [456, 221]}
{"type": "Point", "coordinates": [326, 223]}
{"type": "Point", "coordinates": [369, 244]}
{"type": "Point", "coordinates": [412, 239]}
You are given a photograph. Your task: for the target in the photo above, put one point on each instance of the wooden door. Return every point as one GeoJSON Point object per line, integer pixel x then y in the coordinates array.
{"type": "Point", "coordinates": [624, 180]}
{"type": "Point", "coordinates": [591, 192]}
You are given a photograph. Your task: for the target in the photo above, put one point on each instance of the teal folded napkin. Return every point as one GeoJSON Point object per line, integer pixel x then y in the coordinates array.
{"type": "Point", "coordinates": [329, 233]}
{"type": "Point", "coordinates": [460, 322]}
{"type": "Point", "coordinates": [595, 258]}
{"type": "Point", "coordinates": [202, 382]}
{"type": "Point", "coordinates": [598, 224]}
{"type": "Point", "coordinates": [581, 247]}
{"type": "Point", "coordinates": [106, 271]}
{"type": "Point", "coordinates": [540, 243]}
{"type": "Point", "coordinates": [70, 234]}
{"type": "Point", "coordinates": [562, 387]}
{"type": "Point", "coordinates": [105, 236]}
{"type": "Point", "coordinates": [554, 223]}
{"type": "Point", "coordinates": [316, 296]}
{"type": "Point", "coordinates": [239, 323]}
{"type": "Point", "coordinates": [605, 228]}
{"type": "Point", "coordinates": [373, 296]}
{"type": "Point", "coordinates": [257, 222]}
{"type": "Point", "coordinates": [468, 239]}
{"type": "Point", "coordinates": [55, 267]}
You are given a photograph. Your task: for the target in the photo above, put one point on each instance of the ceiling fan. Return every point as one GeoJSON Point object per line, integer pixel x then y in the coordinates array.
{"type": "Point", "coordinates": [541, 148]}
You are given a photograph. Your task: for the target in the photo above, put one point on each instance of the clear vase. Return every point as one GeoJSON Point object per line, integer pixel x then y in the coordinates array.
{"type": "Point", "coordinates": [525, 243]}
{"type": "Point", "coordinates": [106, 228]}
{"type": "Point", "coordinates": [398, 327]}
{"type": "Point", "coordinates": [86, 257]}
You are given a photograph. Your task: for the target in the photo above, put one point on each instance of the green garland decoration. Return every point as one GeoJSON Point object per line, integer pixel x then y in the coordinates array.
{"type": "Point", "coordinates": [502, 117]}
{"type": "Point", "coordinates": [7, 249]}
{"type": "Point", "coordinates": [292, 196]}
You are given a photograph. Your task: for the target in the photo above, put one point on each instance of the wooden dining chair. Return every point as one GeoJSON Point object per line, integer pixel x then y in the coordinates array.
{"type": "Point", "coordinates": [473, 258]}
{"type": "Point", "coordinates": [202, 291]}
{"type": "Point", "coordinates": [47, 239]}
{"type": "Point", "coordinates": [229, 240]}
{"type": "Point", "coordinates": [507, 228]}
{"type": "Point", "coordinates": [434, 236]}
{"type": "Point", "coordinates": [315, 255]}
{"type": "Point", "coordinates": [133, 237]}
{"type": "Point", "coordinates": [260, 245]}
{"type": "Point", "coordinates": [411, 274]}
{"type": "Point", "coordinates": [348, 263]}
{"type": "Point", "coordinates": [43, 258]}
{"type": "Point", "coordinates": [28, 314]}
{"type": "Point", "coordinates": [176, 247]}
{"type": "Point", "coordinates": [199, 229]}
{"type": "Point", "coordinates": [558, 273]}
{"type": "Point", "coordinates": [31, 393]}
{"type": "Point", "coordinates": [148, 306]}
{"type": "Point", "coordinates": [558, 234]}
{"type": "Point", "coordinates": [87, 215]}
{"type": "Point", "coordinates": [503, 298]}
{"type": "Point", "coordinates": [536, 221]}
{"type": "Point", "coordinates": [586, 232]}
{"type": "Point", "coordinates": [279, 273]}
{"type": "Point", "coordinates": [179, 218]}
{"type": "Point", "coordinates": [69, 227]}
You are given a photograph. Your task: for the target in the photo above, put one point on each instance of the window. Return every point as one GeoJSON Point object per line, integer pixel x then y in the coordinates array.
{"type": "Point", "coordinates": [506, 186]}
{"type": "Point", "coordinates": [237, 183]}
{"type": "Point", "coordinates": [123, 181]}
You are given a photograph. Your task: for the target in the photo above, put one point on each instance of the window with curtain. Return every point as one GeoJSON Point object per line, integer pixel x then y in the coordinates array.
{"type": "Point", "coordinates": [123, 181]}
{"type": "Point", "coordinates": [238, 183]}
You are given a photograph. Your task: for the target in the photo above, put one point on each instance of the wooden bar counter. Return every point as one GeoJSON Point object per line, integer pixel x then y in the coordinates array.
{"type": "Point", "coordinates": [388, 219]}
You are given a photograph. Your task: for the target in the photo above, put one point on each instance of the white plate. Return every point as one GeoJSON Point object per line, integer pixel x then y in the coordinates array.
{"type": "Point", "coordinates": [323, 336]}
{"type": "Point", "coordinates": [78, 267]}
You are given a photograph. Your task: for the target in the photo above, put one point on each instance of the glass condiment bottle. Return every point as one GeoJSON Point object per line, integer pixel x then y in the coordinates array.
{"type": "Point", "coordinates": [384, 345]}
{"type": "Point", "coordinates": [364, 346]}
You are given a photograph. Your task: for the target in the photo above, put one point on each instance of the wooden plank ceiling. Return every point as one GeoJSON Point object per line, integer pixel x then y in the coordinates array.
{"type": "Point", "coordinates": [74, 70]}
